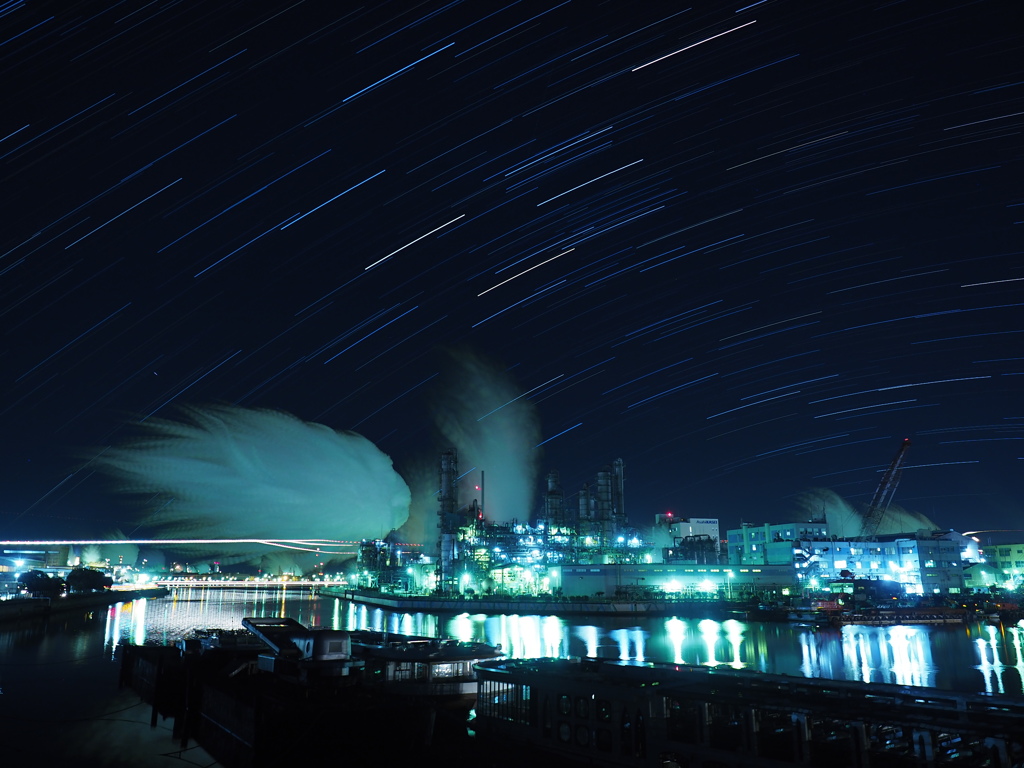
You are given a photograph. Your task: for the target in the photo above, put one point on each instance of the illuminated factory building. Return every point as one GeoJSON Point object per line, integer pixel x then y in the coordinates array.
{"type": "Point", "coordinates": [477, 555]}
{"type": "Point", "coordinates": [923, 562]}
{"type": "Point", "coordinates": [588, 548]}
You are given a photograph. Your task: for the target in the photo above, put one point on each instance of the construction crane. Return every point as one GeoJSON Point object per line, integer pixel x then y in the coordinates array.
{"type": "Point", "coordinates": [883, 495]}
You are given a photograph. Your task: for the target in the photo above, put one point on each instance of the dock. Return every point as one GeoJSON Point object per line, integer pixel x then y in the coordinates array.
{"type": "Point", "coordinates": [599, 712]}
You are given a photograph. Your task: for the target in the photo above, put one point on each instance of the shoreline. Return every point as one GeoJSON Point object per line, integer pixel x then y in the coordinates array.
{"type": "Point", "coordinates": [563, 606]}
{"type": "Point", "coordinates": [40, 607]}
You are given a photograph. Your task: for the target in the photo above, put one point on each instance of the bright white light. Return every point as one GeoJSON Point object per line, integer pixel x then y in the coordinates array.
{"type": "Point", "coordinates": [327, 546]}
{"type": "Point", "coordinates": [706, 586]}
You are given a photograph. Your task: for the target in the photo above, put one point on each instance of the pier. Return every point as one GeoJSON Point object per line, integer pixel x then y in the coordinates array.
{"type": "Point", "coordinates": [611, 713]}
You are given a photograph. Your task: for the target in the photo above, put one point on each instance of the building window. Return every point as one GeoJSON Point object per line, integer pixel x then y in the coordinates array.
{"type": "Point", "coordinates": [504, 701]}
{"type": "Point", "coordinates": [582, 735]}
{"type": "Point", "coordinates": [447, 670]}
{"type": "Point", "coordinates": [582, 707]}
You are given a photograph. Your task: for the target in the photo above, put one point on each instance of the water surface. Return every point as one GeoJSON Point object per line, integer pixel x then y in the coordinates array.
{"type": "Point", "coordinates": [58, 677]}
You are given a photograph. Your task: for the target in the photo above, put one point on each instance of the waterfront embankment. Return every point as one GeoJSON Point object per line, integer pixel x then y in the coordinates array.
{"type": "Point", "coordinates": [34, 607]}
{"type": "Point", "coordinates": [562, 606]}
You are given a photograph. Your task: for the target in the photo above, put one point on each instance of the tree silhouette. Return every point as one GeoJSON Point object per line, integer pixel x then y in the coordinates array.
{"type": "Point", "coordinates": [42, 584]}
{"type": "Point", "coordinates": [88, 580]}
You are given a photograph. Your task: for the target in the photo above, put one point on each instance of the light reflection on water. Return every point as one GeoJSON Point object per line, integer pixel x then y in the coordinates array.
{"type": "Point", "coordinates": [899, 654]}
{"type": "Point", "coordinates": [973, 657]}
{"type": "Point", "coordinates": [997, 673]}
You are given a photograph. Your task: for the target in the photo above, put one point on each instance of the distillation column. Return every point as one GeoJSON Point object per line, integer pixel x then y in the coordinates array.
{"type": "Point", "coordinates": [447, 521]}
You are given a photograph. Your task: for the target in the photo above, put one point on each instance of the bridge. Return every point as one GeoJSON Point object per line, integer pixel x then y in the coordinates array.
{"type": "Point", "coordinates": [321, 546]}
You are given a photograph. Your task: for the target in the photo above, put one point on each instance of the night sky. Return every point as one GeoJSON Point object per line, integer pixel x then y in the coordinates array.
{"type": "Point", "coordinates": [748, 249]}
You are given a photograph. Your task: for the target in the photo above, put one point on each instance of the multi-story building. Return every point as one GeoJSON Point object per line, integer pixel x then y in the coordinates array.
{"type": "Point", "coordinates": [771, 544]}
{"type": "Point", "coordinates": [694, 539]}
{"type": "Point", "coordinates": [925, 562]}
{"type": "Point", "coordinates": [1000, 565]}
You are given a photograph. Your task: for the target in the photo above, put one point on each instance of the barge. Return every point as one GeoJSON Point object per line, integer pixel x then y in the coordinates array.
{"type": "Point", "coordinates": [258, 697]}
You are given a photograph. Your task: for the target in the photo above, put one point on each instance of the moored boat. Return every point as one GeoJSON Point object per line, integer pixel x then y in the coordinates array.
{"type": "Point", "coordinates": [440, 672]}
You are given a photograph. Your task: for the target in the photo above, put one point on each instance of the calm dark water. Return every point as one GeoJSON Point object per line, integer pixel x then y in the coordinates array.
{"type": "Point", "coordinates": [58, 677]}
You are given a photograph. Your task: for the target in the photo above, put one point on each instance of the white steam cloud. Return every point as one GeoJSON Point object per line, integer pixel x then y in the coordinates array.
{"type": "Point", "coordinates": [229, 472]}
{"type": "Point", "coordinates": [845, 521]}
{"type": "Point", "coordinates": [479, 411]}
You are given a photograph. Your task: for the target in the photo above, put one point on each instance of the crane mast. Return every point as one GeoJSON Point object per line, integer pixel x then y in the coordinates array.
{"type": "Point", "coordinates": [883, 494]}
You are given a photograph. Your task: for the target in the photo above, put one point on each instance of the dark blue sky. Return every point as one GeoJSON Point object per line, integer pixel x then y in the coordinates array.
{"type": "Point", "coordinates": [746, 249]}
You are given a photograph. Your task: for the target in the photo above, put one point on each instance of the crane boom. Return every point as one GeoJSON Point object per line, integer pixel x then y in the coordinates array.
{"type": "Point", "coordinates": [883, 494]}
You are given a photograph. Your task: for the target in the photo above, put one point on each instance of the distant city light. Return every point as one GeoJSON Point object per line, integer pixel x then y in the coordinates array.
{"type": "Point", "coordinates": [327, 546]}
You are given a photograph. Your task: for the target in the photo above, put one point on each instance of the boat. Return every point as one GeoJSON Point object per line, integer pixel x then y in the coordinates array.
{"type": "Point", "coordinates": [243, 696]}
{"type": "Point", "coordinates": [440, 672]}
{"type": "Point", "coordinates": [822, 613]}
{"type": "Point", "coordinates": [890, 617]}
{"type": "Point", "coordinates": [407, 669]}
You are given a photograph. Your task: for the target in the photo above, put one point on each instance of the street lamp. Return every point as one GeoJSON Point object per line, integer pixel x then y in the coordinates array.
{"type": "Point", "coordinates": [729, 583]}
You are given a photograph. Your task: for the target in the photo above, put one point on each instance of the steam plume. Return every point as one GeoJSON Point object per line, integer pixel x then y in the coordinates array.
{"type": "Point", "coordinates": [476, 410]}
{"type": "Point", "coordinates": [228, 472]}
{"type": "Point", "coordinates": [845, 521]}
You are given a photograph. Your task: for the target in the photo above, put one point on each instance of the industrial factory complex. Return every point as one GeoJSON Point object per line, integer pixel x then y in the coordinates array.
{"type": "Point", "coordinates": [582, 545]}
{"type": "Point", "coordinates": [588, 549]}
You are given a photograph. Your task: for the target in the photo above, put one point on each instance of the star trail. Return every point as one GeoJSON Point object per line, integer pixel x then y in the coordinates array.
{"type": "Point", "coordinates": [746, 248]}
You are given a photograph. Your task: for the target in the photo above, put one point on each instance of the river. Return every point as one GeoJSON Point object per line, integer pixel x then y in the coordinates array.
{"type": "Point", "coordinates": [59, 698]}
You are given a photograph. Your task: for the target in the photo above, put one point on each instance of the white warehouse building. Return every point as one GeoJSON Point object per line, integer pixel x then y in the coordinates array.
{"type": "Point", "coordinates": [924, 562]}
